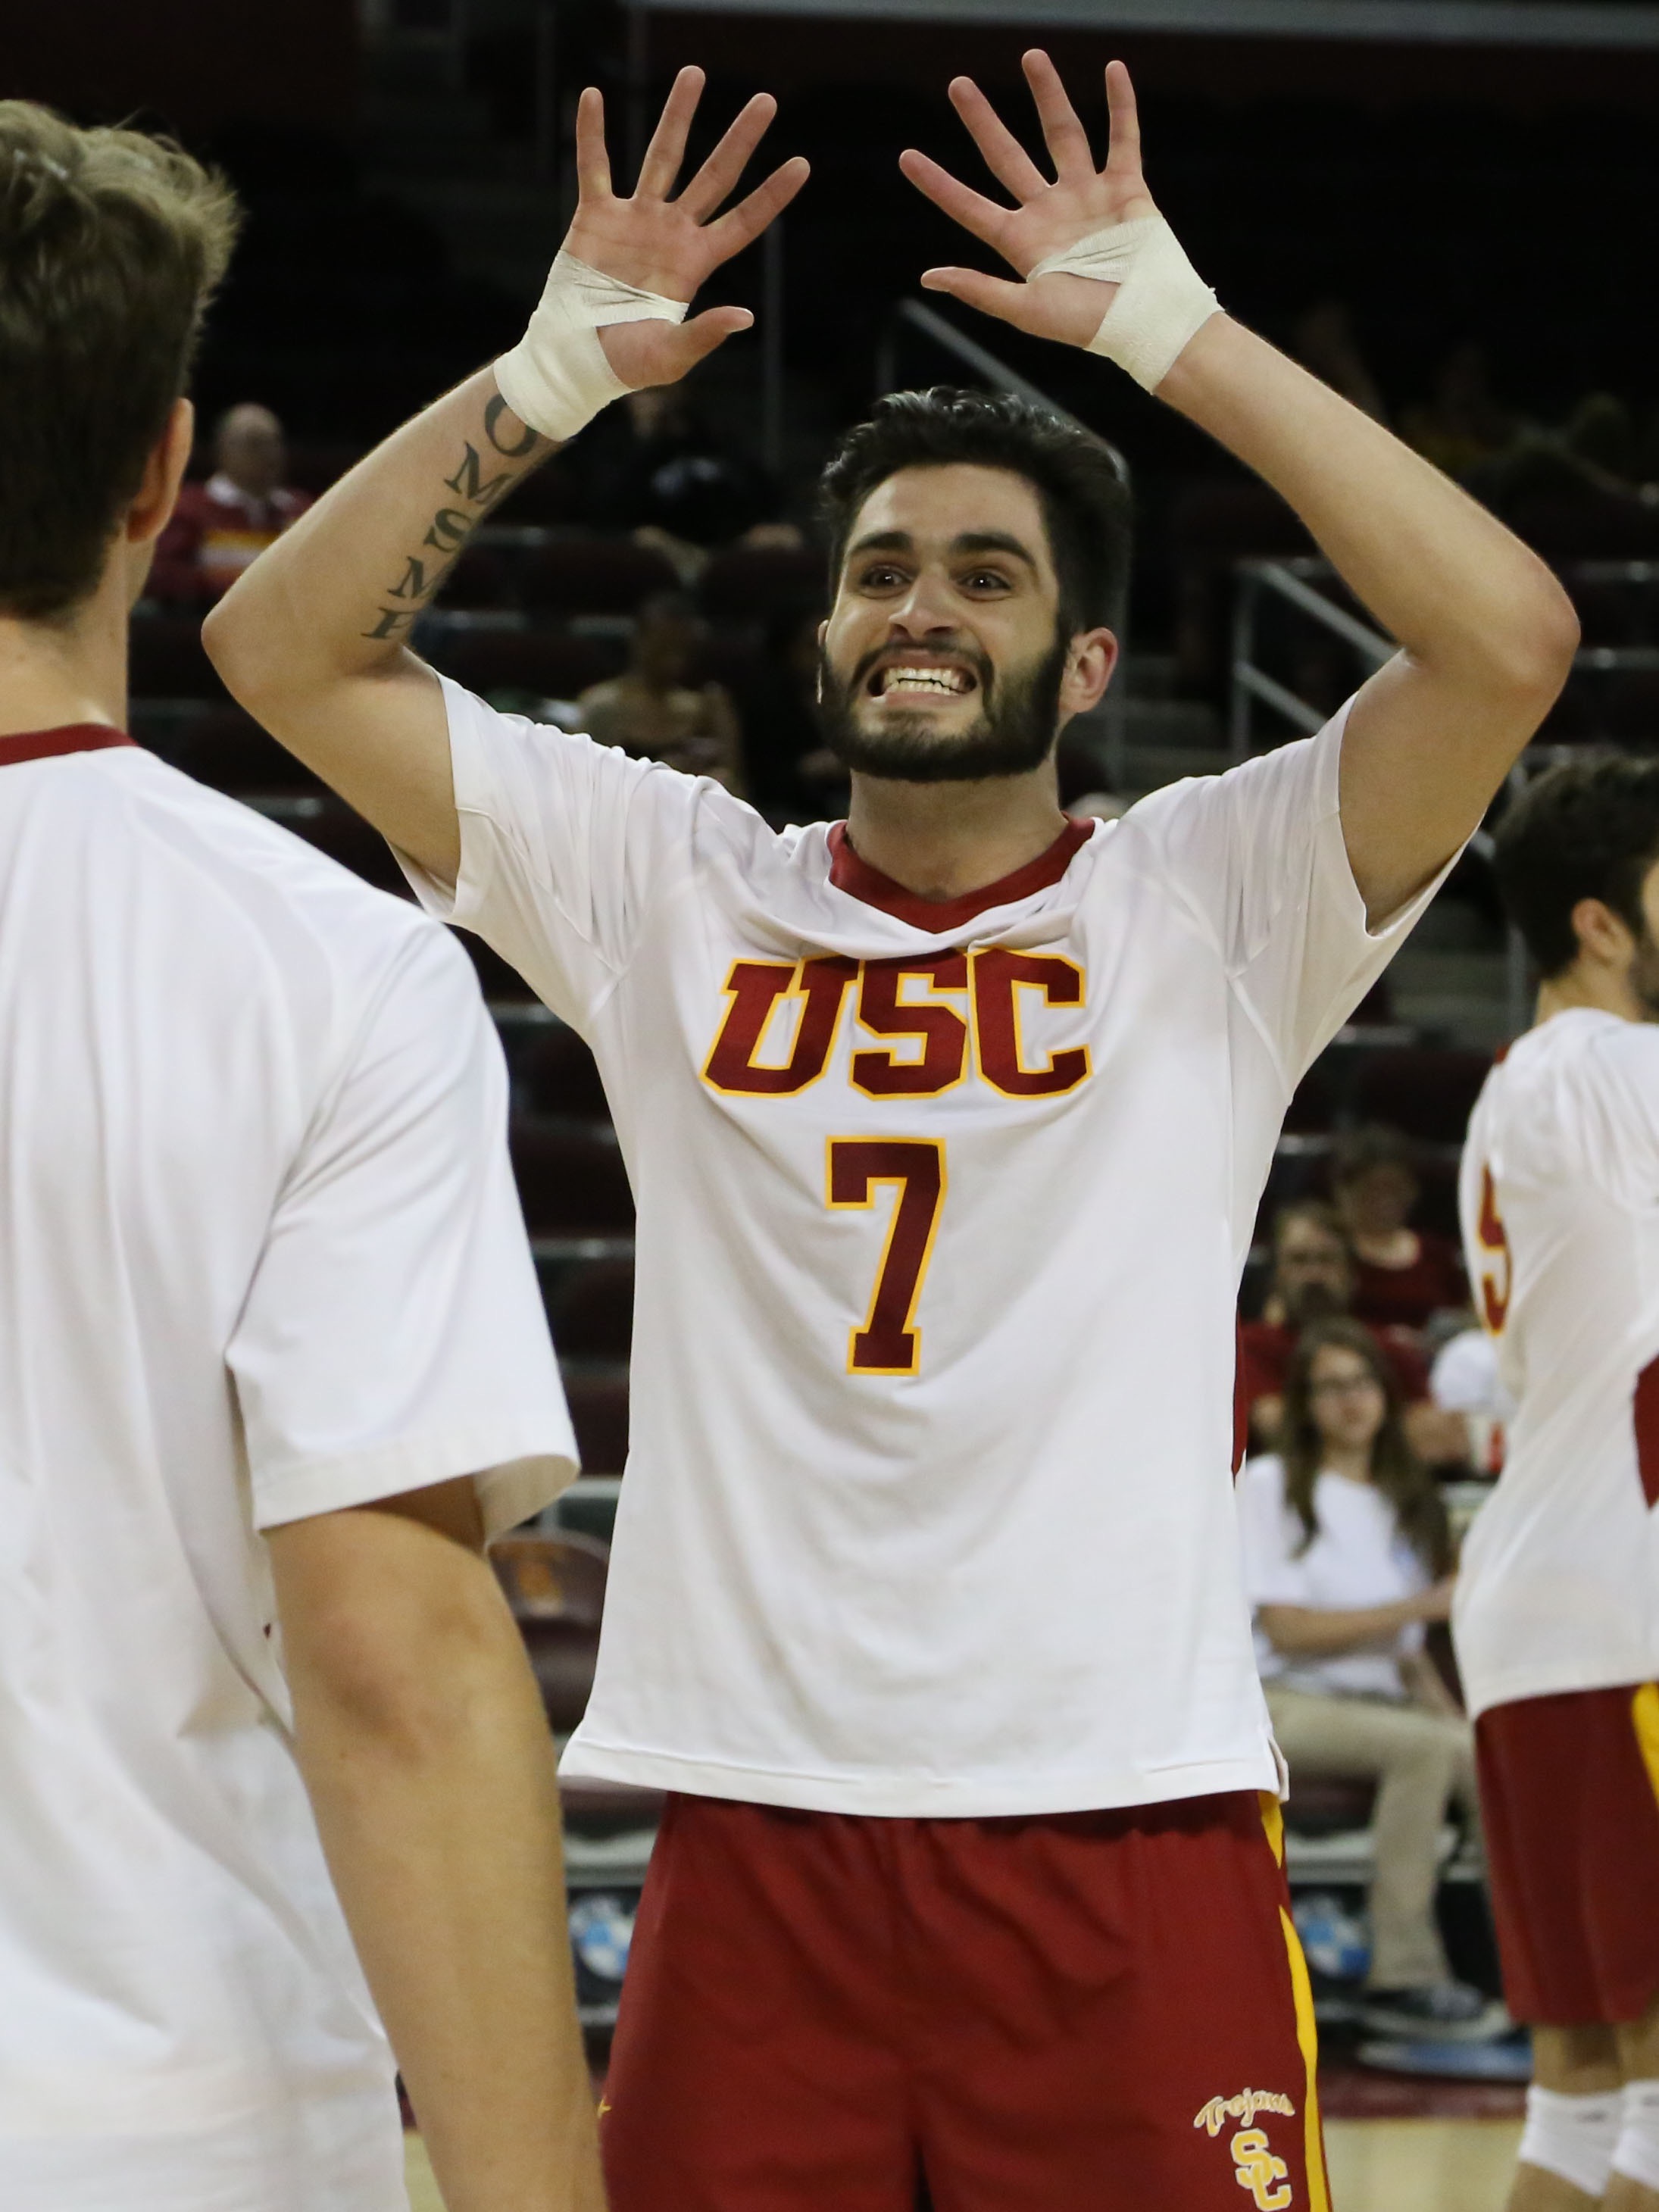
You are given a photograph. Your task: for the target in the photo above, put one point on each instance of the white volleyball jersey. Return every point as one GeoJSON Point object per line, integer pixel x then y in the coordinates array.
{"type": "Point", "coordinates": [942, 1210]}
{"type": "Point", "coordinates": [1560, 1582]}
{"type": "Point", "coordinates": [260, 1258]}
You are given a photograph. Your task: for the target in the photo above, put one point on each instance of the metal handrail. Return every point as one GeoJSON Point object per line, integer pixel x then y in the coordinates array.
{"type": "Point", "coordinates": [1288, 580]}
{"type": "Point", "coordinates": [928, 323]}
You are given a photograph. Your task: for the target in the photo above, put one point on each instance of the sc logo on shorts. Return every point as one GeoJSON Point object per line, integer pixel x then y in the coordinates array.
{"type": "Point", "coordinates": [1255, 2168]}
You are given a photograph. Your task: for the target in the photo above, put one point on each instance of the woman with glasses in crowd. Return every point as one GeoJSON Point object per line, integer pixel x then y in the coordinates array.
{"type": "Point", "coordinates": [1347, 1558]}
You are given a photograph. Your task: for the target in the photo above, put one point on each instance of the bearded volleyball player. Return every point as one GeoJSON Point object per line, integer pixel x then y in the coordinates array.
{"type": "Point", "coordinates": [274, 1362]}
{"type": "Point", "coordinates": [1557, 1612]}
{"type": "Point", "coordinates": [947, 1127]}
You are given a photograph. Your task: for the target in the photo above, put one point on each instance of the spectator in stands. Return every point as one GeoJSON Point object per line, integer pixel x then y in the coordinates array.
{"type": "Point", "coordinates": [220, 526]}
{"type": "Point", "coordinates": [1312, 1280]}
{"type": "Point", "coordinates": [652, 467]}
{"type": "Point", "coordinates": [654, 712]}
{"type": "Point", "coordinates": [1347, 1555]}
{"type": "Point", "coordinates": [1462, 423]}
{"type": "Point", "coordinates": [791, 774]}
{"type": "Point", "coordinates": [1402, 1276]}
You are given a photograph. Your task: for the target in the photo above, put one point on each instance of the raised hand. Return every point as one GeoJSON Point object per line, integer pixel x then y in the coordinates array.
{"type": "Point", "coordinates": [1050, 214]}
{"type": "Point", "coordinates": [672, 246]}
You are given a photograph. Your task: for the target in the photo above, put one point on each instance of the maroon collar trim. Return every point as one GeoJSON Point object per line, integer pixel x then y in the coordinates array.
{"type": "Point", "coordinates": [847, 873]}
{"type": "Point", "coordinates": [72, 738]}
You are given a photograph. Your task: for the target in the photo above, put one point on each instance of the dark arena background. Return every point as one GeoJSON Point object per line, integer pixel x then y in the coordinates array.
{"type": "Point", "coordinates": [1445, 207]}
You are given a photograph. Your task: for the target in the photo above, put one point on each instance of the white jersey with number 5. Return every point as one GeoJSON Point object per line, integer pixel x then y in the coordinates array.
{"type": "Point", "coordinates": [1559, 1585]}
{"type": "Point", "coordinates": [942, 1210]}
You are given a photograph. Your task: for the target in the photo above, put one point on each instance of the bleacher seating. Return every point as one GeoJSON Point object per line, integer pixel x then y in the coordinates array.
{"type": "Point", "coordinates": [558, 1077]}
{"type": "Point", "coordinates": [593, 575]}
{"type": "Point", "coordinates": [592, 1310]}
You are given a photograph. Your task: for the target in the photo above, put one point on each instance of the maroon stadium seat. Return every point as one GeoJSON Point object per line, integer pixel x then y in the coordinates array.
{"type": "Point", "coordinates": [167, 659]}
{"type": "Point", "coordinates": [558, 1076]}
{"type": "Point", "coordinates": [1427, 1093]}
{"type": "Point", "coordinates": [592, 1313]}
{"type": "Point", "coordinates": [598, 1408]}
{"type": "Point", "coordinates": [549, 663]}
{"type": "Point", "coordinates": [594, 576]}
{"type": "Point", "coordinates": [570, 1184]}
{"type": "Point", "coordinates": [556, 1587]}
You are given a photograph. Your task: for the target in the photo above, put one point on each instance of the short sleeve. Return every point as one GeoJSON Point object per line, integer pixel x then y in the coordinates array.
{"type": "Point", "coordinates": [1272, 1575]}
{"type": "Point", "coordinates": [393, 1335]}
{"type": "Point", "coordinates": [564, 844]}
{"type": "Point", "coordinates": [1618, 1112]}
{"type": "Point", "coordinates": [1257, 856]}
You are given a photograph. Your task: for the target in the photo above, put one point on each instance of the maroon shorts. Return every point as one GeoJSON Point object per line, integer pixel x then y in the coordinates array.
{"type": "Point", "coordinates": [1088, 2012]}
{"type": "Point", "coordinates": [1570, 1795]}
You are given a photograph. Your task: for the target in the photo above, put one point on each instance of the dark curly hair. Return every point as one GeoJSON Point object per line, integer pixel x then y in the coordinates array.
{"type": "Point", "coordinates": [111, 244]}
{"type": "Point", "coordinates": [1085, 502]}
{"type": "Point", "coordinates": [1585, 829]}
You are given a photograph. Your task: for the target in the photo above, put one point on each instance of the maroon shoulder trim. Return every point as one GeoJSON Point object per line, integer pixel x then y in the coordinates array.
{"type": "Point", "coordinates": [847, 873]}
{"type": "Point", "coordinates": [71, 738]}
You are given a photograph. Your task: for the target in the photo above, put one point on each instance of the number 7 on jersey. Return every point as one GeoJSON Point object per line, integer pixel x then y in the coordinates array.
{"type": "Point", "coordinates": [889, 1343]}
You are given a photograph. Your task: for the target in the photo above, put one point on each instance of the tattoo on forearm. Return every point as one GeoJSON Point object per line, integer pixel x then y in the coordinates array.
{"type": "Point", "coordinates": [451, 526]}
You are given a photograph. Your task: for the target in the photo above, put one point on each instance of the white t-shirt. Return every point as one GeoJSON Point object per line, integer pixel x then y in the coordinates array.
{"type": "Point", "coordinates": [942, 1211]}
{"type": "Point", "coordinates": [260, 1257]}
{"type": "Point", "coordinates": [1560, 1584]}
{"type": "Point", "coordinates": [1358, 1559]}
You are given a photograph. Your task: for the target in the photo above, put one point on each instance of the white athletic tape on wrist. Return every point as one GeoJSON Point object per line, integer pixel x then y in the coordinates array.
{"type": "Point", "coordinates": [1637, 2153]}
{"type": "Point", "coordinates": [1572, 2138]}
{"type": "Point", "coordinates": [557, 379]}
{"type": "Point", "coordinates": [1162, 301]}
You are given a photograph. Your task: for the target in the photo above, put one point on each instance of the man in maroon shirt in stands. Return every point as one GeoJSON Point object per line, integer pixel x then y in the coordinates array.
{"type": "Point", "coordinates": [1402, 1276]}
{"type": "Point", "coordinates": [1313, 1280]}
{"type": "Point", "coordinates": [219, 526]}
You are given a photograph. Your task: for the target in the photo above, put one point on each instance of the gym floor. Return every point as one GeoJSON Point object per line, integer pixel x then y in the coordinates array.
{"type": "Point", "coordinates": [1376, 2166]}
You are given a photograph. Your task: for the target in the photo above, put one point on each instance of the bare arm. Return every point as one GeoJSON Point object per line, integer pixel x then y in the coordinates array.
{"type": "Point", "coordinates": [423, 1745]}
{"type": "Point", "coordinates": [1486, 634]}
{"type": "Point", "coordinates": [1322, 1631]}
{"type": "Point", "coordinates": [311, 637]}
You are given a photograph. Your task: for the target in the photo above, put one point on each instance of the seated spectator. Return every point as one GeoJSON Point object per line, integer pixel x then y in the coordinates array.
{"type": "Point", "coordinates": [1313, 1277]}
{"type": "Point", "coordinates": [653, 713]}
{"type": "Point", "coordinates": [1346, 1557]}
{"type": "Point", "coordinates": [1402, 1276]}
{"type": "Point", "coordinates": [652, 467]}
{"type": "Point", "coordinates": [219, 526]}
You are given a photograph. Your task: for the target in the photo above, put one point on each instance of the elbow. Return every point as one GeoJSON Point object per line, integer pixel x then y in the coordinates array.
{"type": "Point", "coordinates": [231, 637]}
{"type": "Point", "coordinates": [408, 1684]}
{"type": "Point", "coordinates": [1538, 644]}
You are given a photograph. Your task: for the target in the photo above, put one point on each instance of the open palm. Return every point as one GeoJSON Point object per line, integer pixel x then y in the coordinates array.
{"type": "Point", "coordinates": [1051, 214]}
{"type": "Point", "coordinates": [672, 246]}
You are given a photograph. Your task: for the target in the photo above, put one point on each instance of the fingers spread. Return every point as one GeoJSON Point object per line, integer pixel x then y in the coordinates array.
{"type": "Point", "coordinates": [1125, 153]}
{"type": "Point", "coordinates": [592, 164]}
{"type": "Point", "coordinates": [666, 151]}
{"type": "Point", "coordinates": [1004, 157]}
{"type": "Point", "coordinates": [745, 222]}
{"type": "Point", "coordinates": [970, 208]}
{"type": "Point", "coordinates": [720, 172]}
{"type": "Point", "coordinates": [992, 296]}
{"type": "Point", "coordinates": [1064, 135]}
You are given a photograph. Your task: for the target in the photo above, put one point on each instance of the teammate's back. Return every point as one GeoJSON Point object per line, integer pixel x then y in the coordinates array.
{"type": "Point", "coordinates": [273, 1366]}
{"type": "Point", "coordinates": [1560, 1204]}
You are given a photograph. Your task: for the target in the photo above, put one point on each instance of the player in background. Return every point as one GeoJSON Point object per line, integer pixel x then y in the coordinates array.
{"type": "Point", "coordinates": [272, 1365]}
{"type": "Point", "coordinates": [947, 1127]}
{"type": "Point", "coordinates": [1556, 1614]}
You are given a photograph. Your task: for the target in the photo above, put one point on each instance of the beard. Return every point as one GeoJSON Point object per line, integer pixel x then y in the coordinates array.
{"type": "Point", "coordinates": [1013, 733]}
{"type": "Point", "coordinates": [1644, 974]}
